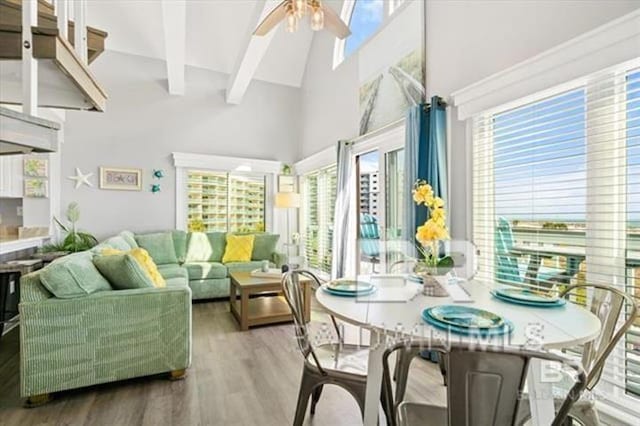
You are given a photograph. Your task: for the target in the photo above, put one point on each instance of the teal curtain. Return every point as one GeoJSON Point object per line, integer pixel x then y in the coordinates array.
{"type": "Point", "coordinates": [425, 157]}
{"type": "Point", "coordinates": [340, 256]}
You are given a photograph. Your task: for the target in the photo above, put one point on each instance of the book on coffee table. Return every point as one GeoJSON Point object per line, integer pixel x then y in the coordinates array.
{"type": "Point", "coordinates": [271, 273]}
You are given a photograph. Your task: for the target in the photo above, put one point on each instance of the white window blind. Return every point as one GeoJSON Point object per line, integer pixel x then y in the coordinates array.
{"type": "Point", "coordinates": [225, 202]}
{"type": "Point", "coordinates": [319, 195]}
{"type": "Point", "coordinates": [556, 199]}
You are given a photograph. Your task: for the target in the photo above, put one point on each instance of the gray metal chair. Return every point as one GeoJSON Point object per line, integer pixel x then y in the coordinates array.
{"type": "Point", "coordinates": [607, 304]}
{"type": "Point", "coordinates": [483, 387]}
{"type": "Point", "coordinates": [331, 363]}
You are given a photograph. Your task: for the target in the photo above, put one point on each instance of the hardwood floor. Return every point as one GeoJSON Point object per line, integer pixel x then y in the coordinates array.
{"type": "Point", "coordinates": [236, 378]}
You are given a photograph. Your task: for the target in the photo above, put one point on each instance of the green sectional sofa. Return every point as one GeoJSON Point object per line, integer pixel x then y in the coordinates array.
{"type": "Point", "coordinates": [77, 329]}
{"type": "Point", "coordinates": [197, 257]}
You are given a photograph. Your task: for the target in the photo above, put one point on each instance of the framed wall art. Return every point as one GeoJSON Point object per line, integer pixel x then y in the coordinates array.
{"type": "Point", "coordinates": [36, 167]}
{"type": "Point", "coordinates": [120, 179]}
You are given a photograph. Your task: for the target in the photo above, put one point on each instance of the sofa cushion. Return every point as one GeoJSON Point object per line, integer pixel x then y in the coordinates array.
{"type": "Point", "coordinates": [173, 270]}
{"type": "Point", "coordinates": [129, 238]}
{"type": "Point", "coordinates": [73, 276]}
{"type": "Point", "coordinates": [160, 247]}
{"type": "Point", "coordinates": [180, 244]}
{"type": "Point", "coordinates": [205, 247]}
{"type": "Point", "coordinates": [239, 248]}
{"type": "Point", "coordinates": [205, 270]}
{"type": "Point", "coordinates": [245, 266]}
{"type": "Point", "coordinates": [178, 282]}
{"type": "Point", "coordinates": [123, 271]}
{"type": "Point", "coordinates": [118, 243]}
{"type": "Point", "coordinates": [264, 246]}
{"type": "Point", "coordinates": [144, 261]}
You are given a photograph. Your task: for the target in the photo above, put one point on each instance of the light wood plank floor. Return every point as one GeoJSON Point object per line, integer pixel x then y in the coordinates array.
{"type": "Point", "coordinates": [236, 378]}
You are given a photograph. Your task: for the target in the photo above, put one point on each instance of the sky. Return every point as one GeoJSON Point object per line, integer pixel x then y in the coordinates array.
{"type": "Point", "coordinates": [366, 18]}
{"type": "Point", "coordinates": [540, 158]}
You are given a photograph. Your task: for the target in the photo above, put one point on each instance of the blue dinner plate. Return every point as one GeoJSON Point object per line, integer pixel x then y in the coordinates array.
{"type": "Point", "coordinates": [556, 304]}
{"type": "Point", "coordinates": [526, 294]}
{"type": "Point", "coordinates": [348, 293]}
{"type": "Point", "coordinates": [507, 328]}
{"type": "Point", "coordinates": [465, 316]}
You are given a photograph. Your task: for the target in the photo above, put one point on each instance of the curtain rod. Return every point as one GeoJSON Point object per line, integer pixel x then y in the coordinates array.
{"type": "Point", "coordinates": [441, 103]}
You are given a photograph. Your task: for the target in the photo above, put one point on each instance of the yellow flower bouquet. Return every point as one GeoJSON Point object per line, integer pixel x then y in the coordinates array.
{"type": "Point", "coordinates": [432, 231]}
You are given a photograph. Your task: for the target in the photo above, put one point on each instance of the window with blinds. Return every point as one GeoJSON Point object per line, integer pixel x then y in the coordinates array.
{"type": "Point", "coordinates": [319, 195]}
{"type": "Point", "coordinates": [225, 202]}
{"type": "Point", "coordinates": [556, 199]}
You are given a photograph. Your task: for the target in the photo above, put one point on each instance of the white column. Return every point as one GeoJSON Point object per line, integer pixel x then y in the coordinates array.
{"type": "Point", "coordinates": [606, 197]}
{"type": "Point", "coordinates": [80, 29]}
{"type": "Point", "coordinates": [483, 197]}
{"type": "Point", "coordinates": [60, 9]}
{"type": "Point", "coordinates": [29, 64]}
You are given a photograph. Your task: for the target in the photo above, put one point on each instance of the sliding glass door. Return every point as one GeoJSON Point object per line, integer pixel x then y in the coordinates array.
{"type": "Point", "coordinates": [381, 203]}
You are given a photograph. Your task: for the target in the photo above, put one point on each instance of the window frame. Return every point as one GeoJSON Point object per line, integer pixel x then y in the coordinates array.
{"type": "Point", "coordinates": [183, 162]}
{"type": "Point", "coordinates": [614, 396]}
{"type": "Point", "coordinates": [389, 12]}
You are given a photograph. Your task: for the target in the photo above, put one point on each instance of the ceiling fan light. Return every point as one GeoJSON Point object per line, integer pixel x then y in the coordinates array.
{"type": "Point", "coordinates": [317, 19]}
{"type": "Point", "coordinates": [300, 7]}
{"type": "Point", "coordinates": [292, 23]}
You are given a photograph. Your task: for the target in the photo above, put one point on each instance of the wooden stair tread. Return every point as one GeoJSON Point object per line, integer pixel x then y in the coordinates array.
{"type": "Point", "coordinates": [50, 47]}
{"type": "Point", "coordinates": [11, 18]}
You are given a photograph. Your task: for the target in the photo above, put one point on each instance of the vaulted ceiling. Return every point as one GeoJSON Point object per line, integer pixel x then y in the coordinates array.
{"type": "Point", "coordinates": [216, 35]}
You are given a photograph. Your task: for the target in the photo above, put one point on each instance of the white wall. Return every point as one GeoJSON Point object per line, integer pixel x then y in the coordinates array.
{"type": "Point", "coordinates": [466, 41]}
{"type": "Point", "coordinates": [143, 125]}
{"type": "Point", "coordinates": [330, 107]}
{"type": "Point", "coordinates": [470, 40]}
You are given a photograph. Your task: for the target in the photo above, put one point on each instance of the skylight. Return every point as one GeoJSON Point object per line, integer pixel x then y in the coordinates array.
{"type": "Point", "coordinates": [366, 18]}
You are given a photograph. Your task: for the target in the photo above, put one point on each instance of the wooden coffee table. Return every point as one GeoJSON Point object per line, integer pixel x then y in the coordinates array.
{"type": "Point", "coordinates": [261, 301]}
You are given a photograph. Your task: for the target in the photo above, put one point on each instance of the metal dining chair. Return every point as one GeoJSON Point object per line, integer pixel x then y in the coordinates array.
{"type": "Point", "coordinates": [607, 304]}
{"type": "Point", "coordinates": [330, 363]}
{"type": "Point", "coordinates": [483, 387]}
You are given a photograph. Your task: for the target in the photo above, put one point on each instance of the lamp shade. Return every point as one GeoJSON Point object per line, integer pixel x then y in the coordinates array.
{"type": "Point", "coordinates": [287, 200]}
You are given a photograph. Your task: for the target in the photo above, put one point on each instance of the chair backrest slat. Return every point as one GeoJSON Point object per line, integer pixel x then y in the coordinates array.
{"type": "Point", "coordinates": [484, 386]}
{"type": "Point", "coordinates": [607, 304]}
{"type": "Point", "coordinates": [293, 293]}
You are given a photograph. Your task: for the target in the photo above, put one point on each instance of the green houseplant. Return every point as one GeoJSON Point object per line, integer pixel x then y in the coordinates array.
{"type": "Point", "coordinates": [74, 240]}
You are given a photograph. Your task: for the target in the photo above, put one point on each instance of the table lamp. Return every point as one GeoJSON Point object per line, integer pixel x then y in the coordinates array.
{"type": "Point", "coordinates": [287, 200]}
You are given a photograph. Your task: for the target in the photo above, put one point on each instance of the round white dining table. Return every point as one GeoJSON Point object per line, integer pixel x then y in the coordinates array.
{"type": "Point", "coordinates": [386, 315]}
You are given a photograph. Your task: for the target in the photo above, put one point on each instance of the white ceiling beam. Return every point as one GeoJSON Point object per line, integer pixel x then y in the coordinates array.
{"type": "Point", "coordinates": [252, 52]}
{"type": "Point", "coordinates": [174, 18]}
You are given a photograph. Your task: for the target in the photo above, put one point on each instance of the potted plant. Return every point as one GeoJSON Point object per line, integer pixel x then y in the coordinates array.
{"type": "Point", "coordinates": [429, 235]}
{"type": "Point", "coordinates": [74, 240]}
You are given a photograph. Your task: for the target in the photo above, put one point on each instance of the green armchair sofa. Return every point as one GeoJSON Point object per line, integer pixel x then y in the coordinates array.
{"type": "Point", "coordinates": [104, 336]}
{"type": "Point", "coordinates": [90, 333]}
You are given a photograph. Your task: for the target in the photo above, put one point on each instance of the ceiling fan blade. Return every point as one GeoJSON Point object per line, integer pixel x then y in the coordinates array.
{"type": "Point", "coordinates": [333, 23]}
{"type": "Point", "coordinates": [272, 19]}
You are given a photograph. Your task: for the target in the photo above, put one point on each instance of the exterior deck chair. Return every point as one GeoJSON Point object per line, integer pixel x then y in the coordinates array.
{"type": "Point", "coordinates": [607, 304]}
{"type": "Point", "coordinates": [509, 271]}
{"type": "Point", "coordinates": [369, 240]}
{"type": "Point", "coordinates": [483, 387]}
{"type": "Point", "coordinates": [331, 363]}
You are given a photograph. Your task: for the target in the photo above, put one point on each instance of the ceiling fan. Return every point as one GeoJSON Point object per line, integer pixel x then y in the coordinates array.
{"type": "Point", "coordinates": [293, 11]}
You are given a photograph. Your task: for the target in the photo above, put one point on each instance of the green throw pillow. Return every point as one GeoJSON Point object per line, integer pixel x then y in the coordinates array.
{"type": "Point", "coordinates": [129, 238]}
{"type": "Point", "coordinates": [123, 271]}
{"type": "Point", "coordinates": [180, 244]}
{"type": "Point", "coordinates": [118, 243]}
{"type": "Point", "coordinates": [206, 247]}
{"type": "Point", "coordinates": [159, 246]}
{"type": "Point", "coordinates": [264, 245]}
{"type": "Point", "coordinates": [73, 276]}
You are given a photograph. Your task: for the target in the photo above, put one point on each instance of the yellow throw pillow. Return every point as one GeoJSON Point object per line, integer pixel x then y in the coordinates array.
{"type": "Point", "coordinates": [239, 248]}
{"type": "Point", "coordinates": [144, 260]}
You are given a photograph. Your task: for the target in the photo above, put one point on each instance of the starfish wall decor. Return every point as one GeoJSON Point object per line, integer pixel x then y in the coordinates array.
{"type": "Point", "coordinates": [81, 179]}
